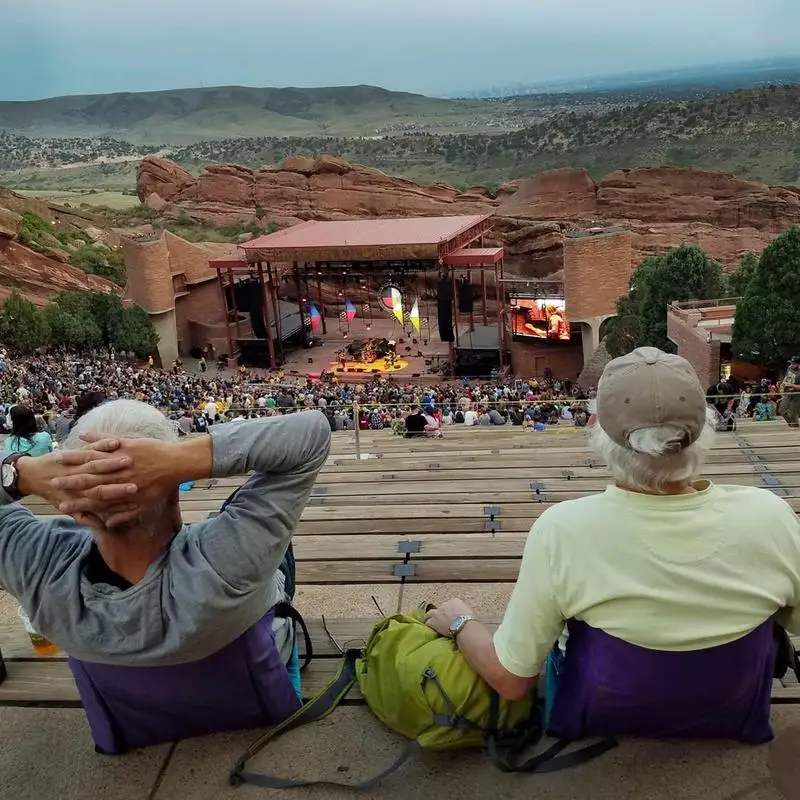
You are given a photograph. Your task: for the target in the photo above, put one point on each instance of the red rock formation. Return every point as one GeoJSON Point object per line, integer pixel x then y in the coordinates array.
{"type": "Point", "coordinates": [161, 177]}
{"type": "Point", "coordinates": [663, 207]}
{"type": "Point", "coordinates": [39, 277]}
{"type": "Point", "coordinates": [558, 194]}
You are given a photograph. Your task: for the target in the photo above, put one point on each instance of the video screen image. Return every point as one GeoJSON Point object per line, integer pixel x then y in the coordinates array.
{"type": "Point", "coordinates": [539, 318]}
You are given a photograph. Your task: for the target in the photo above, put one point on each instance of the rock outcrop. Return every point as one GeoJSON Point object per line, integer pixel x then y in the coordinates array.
{"type": "Point", "coordinates": [9, 223]}
{"type": "Point", "coordinates": [41, 275]}
{"type": "Point", "coordinates": [662, 206]}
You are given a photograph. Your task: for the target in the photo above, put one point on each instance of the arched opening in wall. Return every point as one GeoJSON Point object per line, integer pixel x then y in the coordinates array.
{"type": "Point", "coordinates": [604, 327]}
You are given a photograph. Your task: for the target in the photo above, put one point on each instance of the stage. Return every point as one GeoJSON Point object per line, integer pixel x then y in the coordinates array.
{"type": "Point", "coordinates": [414, 361]}
{"type": "Point", "coordinates": [381, 366]}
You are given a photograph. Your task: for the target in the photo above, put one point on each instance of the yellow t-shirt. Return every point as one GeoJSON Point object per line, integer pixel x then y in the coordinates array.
{"type": "Point", "coordinates": [683, 572]}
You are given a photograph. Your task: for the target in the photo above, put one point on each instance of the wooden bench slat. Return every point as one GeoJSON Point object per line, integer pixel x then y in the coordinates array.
{"type": "Point", "coordinates": [50, 684]}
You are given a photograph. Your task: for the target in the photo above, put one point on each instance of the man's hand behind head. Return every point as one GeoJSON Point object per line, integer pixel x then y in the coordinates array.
{"type": "Point", "coordinates": [92, 487]}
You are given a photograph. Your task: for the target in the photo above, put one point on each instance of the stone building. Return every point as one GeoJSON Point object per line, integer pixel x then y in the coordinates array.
{"type": "Point", "coordinates": [597, 268]}
{"type": "Point", "coordinates": [171, 279]}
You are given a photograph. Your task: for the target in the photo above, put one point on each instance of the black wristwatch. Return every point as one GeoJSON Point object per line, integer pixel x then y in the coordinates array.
{"type": "Point", "coordinates": [9, 476]}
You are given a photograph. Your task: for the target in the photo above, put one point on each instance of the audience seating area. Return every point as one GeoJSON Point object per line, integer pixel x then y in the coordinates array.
{"type": "Point", "coordinates": [426, 511]}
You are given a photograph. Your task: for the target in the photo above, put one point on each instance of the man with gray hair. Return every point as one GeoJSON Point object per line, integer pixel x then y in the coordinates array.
{"type": "Point", "coordinates": [669, 585]}
{"type": "Point", "coordinates": [173, 630]}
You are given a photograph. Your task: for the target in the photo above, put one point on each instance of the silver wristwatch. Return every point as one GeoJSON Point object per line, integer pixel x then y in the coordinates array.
{"type": "Point", "coordinates": [9, 476]}
{"type": "Point", "coordinates": [457, 625]}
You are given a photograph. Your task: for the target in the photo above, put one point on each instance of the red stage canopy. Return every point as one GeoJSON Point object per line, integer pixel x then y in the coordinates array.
{"type": "Point", "coordinates": [409, 238]}
{"type": "Point", "coordinates": [474, 257]}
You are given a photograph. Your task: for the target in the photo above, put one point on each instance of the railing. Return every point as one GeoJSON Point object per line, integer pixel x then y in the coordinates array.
{"type": "Point", "coordinates": [692, 305]}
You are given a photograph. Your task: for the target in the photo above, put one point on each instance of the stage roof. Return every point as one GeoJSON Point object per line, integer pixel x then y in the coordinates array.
{"type": "Point", "coordinates": [409, 238]}
{"type": "Point", "coordinates": [474, 257]}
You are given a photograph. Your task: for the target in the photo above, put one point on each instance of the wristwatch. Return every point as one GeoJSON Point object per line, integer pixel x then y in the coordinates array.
{"type": "Point", "coordinates": [457, 625]}
{"type": "Point", "coordinates": [9, 476]}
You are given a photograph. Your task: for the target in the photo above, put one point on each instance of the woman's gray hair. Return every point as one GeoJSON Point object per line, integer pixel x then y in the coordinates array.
{"type": "Point", "coordinates": [122, 419]}
{"type": "Point", "coordinates": [650, 464]}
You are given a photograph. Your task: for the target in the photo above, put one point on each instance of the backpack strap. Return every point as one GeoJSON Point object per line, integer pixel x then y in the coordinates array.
{"type": "Point", "coordinates": [505, 751]}
{"type": "Point", "coordinates": [319, 707]}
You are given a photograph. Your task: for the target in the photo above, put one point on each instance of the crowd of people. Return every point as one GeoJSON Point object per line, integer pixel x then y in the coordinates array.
{"type": "Point", "coordinates": [59, 388]}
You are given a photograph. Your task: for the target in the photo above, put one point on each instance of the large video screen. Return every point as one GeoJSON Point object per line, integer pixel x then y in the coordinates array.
{"type": "Point", "coordinates": [539, 318]}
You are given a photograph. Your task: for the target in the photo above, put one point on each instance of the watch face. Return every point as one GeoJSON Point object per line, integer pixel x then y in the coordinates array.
{"type": "Point", "coordinates": [7, 475]}
{"type": "Point", "coordinates": [456, 625]}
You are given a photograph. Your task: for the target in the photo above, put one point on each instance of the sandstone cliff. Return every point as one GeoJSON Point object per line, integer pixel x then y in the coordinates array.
{"type": "Point", "coordinates": [663, 206]}
{"type": "Point", "coordinates": [37, 275]}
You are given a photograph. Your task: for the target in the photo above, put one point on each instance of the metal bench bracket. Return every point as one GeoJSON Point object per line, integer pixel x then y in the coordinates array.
{"type": "Point", "coordinates": [319, 490]}
{"type": "Point", "coordinates": [492, 525]}
{"type": "Point", "coordinates": [404, 570]}
{"type": "Point", "coordinates": [408, 547]}
{"type": "Point", "coordinates": [316, 501]}
{"type": "Point", "coordinates": [491, 511]}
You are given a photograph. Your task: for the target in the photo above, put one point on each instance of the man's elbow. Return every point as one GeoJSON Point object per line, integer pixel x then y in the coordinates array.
{"type": "Point", "coordinates": [512, 687]}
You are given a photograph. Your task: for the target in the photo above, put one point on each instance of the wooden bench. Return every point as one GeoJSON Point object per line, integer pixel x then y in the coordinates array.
{"type": "Point", "coordinates": [455, 510]}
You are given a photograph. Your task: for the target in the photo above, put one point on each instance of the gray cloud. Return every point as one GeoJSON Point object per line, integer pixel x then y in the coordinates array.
{"type": "Point", "coordinates": [432, 46]}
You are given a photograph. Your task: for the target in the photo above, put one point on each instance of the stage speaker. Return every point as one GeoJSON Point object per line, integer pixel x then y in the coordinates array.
{"type": "Point", "coordinates": [466, 298]}
{"type": "Point", "coordinates": [444, 298]}
{"type": "Point", "coordinates": [249, 299]}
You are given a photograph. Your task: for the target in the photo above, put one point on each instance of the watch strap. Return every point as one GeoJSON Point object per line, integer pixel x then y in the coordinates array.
{"type": "Point", "coordinates": [462, 620]}
{"type": "Point", "coordinates": [13, 490]}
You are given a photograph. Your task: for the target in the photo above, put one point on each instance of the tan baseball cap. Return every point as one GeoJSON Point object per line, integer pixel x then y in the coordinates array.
{"type": "Point", "coordinates": [649, 388]}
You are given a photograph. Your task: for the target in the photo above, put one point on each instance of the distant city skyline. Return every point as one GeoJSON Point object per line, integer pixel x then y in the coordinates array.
{"type": "Point", "coordinates": [434, 47]}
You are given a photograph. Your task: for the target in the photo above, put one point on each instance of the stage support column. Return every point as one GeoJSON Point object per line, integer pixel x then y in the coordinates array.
{"type": "Point", "coordinates": [267, 320]}
{"type": "Point", "coordinates": [300, 304]}
{"type": "Point", "coordinates": [273, 292]}
{"type": "Point", "coordinates": [506, 340]}
{"type": "Point", "coordinates": [320, 301]}
{"type": "Point", "coordinates": [455, 305]}
{"type": "Point", "coordinates": [232, 284]}
{"type": "Point", "coordinates": [500, 314]}
{"type": "Point", "coordinates": [227, 316]}
{"type": "Point", "coordinates": [452, 349]}
{"type": "Point", "coordinates": [483, 288]}
{"type": "Point", "coordinates": [471, 308]}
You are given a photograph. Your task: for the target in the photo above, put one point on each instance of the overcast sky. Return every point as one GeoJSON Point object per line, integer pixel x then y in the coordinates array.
{"type": "Point", "coordinates": [53, 47]}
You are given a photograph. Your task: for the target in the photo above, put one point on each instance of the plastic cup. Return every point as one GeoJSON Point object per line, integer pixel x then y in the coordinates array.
{"type": "Point", "coordinates": [41, 646]}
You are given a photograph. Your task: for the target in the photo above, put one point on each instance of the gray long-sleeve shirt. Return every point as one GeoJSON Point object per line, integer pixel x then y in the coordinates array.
{"type": "Point", "coordinates": [215, 580]}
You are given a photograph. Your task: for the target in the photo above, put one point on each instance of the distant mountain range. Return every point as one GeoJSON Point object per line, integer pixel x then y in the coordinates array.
{"type": "Point", "coordinates": [186, 115]}
{"type": "Point", "coordinates": [721, 77]}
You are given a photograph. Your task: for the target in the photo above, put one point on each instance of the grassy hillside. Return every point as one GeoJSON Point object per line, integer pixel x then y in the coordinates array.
{"type": "Point", "coordinates": [754, 133]}
{"type": "Point", "coordinates": [185, 115]}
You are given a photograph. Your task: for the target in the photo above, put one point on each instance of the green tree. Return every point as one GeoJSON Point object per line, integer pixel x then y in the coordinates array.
{"type": "Point", "coordinates": [135, 332]}
{"type": "Point", "coordinates": [766, 329]}
{"type": "Point", "coordinates": [22, 326]}
{"type": "Point", "coordinates": [68, 329]}
{"type": "Point", "coordinates": [684, 273]}
{"type": "Point", "coordinates": [107, 311]}
{"type": "Point", "coordinates": [737, 282]}
{"type": "Point", "coordinates": [260, 213]}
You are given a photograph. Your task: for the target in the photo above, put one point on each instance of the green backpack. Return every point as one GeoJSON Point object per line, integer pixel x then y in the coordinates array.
{"type": "Point", "coordinates": [420, 685]}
